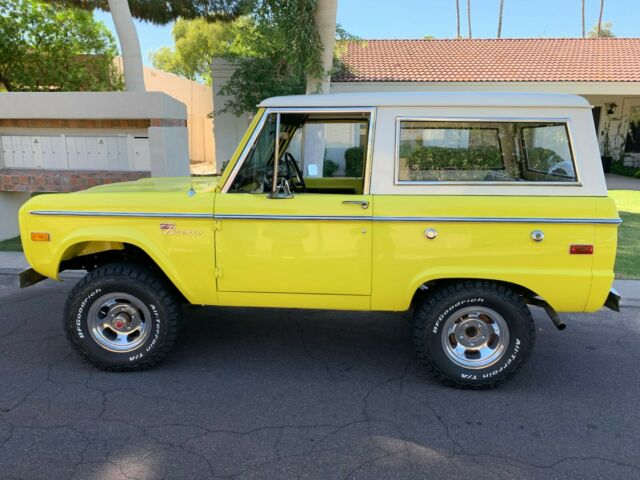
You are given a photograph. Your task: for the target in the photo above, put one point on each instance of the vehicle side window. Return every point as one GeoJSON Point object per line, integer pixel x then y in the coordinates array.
{"type": "Point", "coordinates": [331, 155]}
{"type": "Point", "coordinates": [444, 151]}
{"type": "Point", "coordinates": [252, 177]}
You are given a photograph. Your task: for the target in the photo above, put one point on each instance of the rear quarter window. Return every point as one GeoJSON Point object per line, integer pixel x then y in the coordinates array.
{"type": "Point", "coordinates": [483, 151]}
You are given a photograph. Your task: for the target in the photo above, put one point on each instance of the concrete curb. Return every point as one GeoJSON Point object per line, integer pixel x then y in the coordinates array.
{"type": "Point", "coordinates": [9, 276]}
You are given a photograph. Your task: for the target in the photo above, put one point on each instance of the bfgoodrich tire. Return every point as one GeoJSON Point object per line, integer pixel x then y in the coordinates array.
{"type": "Point", "coordinates": [473, 334]}
{"type": "Point", "coordinates": [122, 317]}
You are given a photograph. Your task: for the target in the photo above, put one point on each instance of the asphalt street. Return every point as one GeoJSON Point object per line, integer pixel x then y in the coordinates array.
{"type": "Point", "coordinates": [273, 394]}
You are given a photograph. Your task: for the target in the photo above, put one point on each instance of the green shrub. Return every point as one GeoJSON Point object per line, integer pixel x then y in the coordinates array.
{"type": "Point", "coordinates": [542, 159]}
{"type": "Point", "coordinates": [445, 158]}
{"type": "Point", "coordinates": [619, 168]}
{"type": "Point", "coordinates": [354, 160]}
{"type": "Point", "coordinates": [329, 168]}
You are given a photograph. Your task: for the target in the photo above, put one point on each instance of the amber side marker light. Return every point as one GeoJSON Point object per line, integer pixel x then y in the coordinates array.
{"type": "Point", "coordinates": [40, 237]}
{"type": "Point", "coordinates": [581, 250]}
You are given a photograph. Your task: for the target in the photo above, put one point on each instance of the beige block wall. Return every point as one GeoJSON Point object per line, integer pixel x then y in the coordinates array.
{"type": "Point", "coordinates": [199, 101]}
{"type": "Point", "coordinates": [10, 202]}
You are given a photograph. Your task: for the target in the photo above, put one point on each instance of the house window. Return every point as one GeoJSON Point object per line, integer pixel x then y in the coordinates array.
{"type": "Point", "coordinates": [596, 117]}
{"type": "Point", "coordinates": [632, 145]}
{"type": "Point", "coordinates": [474, 151]}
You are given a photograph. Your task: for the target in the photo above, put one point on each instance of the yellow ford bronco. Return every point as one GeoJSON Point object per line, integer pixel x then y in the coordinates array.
{"type": "Point", "coordinates": [463, 208]}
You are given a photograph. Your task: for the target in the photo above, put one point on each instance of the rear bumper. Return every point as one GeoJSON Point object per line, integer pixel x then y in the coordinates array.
{"type": "Point", "coordinates": [613, 300]}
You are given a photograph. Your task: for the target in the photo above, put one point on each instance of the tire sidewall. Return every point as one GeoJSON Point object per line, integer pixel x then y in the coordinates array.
{"type": "Point", "coordinates": [78, 328]}
{"type": "Point", "coordinates": [515, 352]}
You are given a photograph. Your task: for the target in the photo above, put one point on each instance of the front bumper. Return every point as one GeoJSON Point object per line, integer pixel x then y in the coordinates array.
{"type": "Point", "coordinates": [30, 277]}
{"type": "Point", "coordinates": [613, 300]}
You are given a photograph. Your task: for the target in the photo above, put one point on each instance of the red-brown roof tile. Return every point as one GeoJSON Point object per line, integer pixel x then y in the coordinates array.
{"type": "Point", "coordinates": [491, 60]}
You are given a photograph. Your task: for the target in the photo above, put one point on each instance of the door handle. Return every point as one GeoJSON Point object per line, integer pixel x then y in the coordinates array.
{"type": "Point", "coordinates": [363, 203]}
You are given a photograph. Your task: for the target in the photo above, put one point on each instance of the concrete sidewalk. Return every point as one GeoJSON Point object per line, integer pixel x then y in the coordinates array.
{"type": "Point", "coordinates": [620, 182]}
{"type": "Point", "coordinates": [11, 263]}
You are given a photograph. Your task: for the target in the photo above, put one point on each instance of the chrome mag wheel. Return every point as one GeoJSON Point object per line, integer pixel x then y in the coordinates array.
{"type": "Point", "coordinates": [475, 337]}
{"type": "Point", "coordinates": [119, 322]}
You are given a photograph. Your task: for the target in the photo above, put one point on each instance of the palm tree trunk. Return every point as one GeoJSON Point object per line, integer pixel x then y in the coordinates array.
{"type": "Point", "coordinates": [469, 17]}
{"type": "Point", "coordinates": [325, 18]}
{"type": "Point", "coordinates": [500, 18]}
{"type": "Point", "coordinates": [583, 26]}
{"type": "Point", "coordinates": [458, 18]}
{"type": "Point", "coordinates": [600, 17]}
{"type": "Point", "coordinates": [129, 45]}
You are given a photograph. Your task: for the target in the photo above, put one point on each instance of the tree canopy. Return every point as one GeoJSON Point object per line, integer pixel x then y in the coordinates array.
{"type": "Point", "coordinates": [49, 48]}
{"type": "Point", "coordinates": [196, 43]}
{"type": "Point", "coordinates": [281, 48]}
{"type": "Point", "coordinates": [162, 12]}
{"type": "Point", "coordinates": [275, 47]}
{"type": "Point", "coordinates": [605, 30]}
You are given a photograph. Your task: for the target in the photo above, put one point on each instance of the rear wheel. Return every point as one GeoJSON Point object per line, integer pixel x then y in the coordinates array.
{"type": "Point", "coordinates": [122, 317]}
{"type": "Point", "coordinates": [473, 334]}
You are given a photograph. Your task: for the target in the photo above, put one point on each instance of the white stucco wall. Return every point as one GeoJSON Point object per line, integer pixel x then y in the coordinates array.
{"type": "Point", "coordinates": [228, 128]}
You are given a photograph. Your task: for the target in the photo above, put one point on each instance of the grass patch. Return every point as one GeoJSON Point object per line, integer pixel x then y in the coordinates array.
{"type": "Point", "coordinates": [11, 245]}
{"type": "Point", "coordinates": [628, 258]}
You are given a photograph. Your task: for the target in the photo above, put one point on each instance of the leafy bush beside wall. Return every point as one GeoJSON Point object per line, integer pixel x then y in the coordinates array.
{"type": "Point", "coordinates": [354, 159]}
{"type": "Point", "coordinates": [329, 168]}
{"type": "Point", "coordinates": [619, 168]}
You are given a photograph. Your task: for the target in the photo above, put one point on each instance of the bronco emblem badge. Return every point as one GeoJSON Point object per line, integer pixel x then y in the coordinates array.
{"type": "Point", "coordinates": [170, 229]}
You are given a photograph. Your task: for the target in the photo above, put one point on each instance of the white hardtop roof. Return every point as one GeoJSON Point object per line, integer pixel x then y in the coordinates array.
{"type": "Point", "coordinates": [429, 99]}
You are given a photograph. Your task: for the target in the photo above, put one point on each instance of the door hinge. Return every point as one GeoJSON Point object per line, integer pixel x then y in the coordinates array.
{"type": "Point", "coordinates": [218, 272]}
{"type": "Point", "coordinates": [217, 226]}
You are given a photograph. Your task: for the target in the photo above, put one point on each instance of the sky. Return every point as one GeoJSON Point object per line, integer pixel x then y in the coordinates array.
{"type": "Point", "coordinates": [374, 19]}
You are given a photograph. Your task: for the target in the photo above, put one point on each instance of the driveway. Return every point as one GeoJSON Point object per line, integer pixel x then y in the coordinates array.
{"type": "Point", "coordinates": [284, 394]}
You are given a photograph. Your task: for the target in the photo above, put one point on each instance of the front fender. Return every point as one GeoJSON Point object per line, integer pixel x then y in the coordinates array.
{"type": "Point", "coordinates": [174, 256]}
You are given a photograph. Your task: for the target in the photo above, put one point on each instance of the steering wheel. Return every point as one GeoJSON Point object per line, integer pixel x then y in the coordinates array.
{"type": "Point", "coordinates": [289, 170]}
{"type": "Point", "coordinates": [292, 167]}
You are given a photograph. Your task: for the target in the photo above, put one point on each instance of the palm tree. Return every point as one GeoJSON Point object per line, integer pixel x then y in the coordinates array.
{"type": "Point", "coordinates": [583, 27]}
{"type": "Point", "coordinates": [325, 17]}
{"type": "Point", "coordinates": [129, 45]}
{"type": "Point", "coordinates": [458, 18]}
{"type": "Point", "coordinates": [469, 16]}
{"type": "Point", "coordinates": [600, 17]}
{"type": "Point", "coordinates": [157, 12]}
{"type": "Point", "coordinates": [500, 18]}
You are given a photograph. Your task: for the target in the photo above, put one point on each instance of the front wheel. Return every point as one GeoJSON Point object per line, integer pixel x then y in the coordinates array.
{"type": "Point", "coordinates": [473, 334]}
{"type": "Point", "coordinates": [122, 317]}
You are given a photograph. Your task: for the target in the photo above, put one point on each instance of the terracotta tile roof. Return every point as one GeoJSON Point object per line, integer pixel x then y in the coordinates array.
{"type": "Point", "coordinates": [492, 60]}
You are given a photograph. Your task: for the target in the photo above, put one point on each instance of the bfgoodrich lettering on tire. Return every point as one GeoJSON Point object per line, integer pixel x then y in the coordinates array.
{"type": "Point", "coordinates": [122, 317]}
{"type": "Point", "coordinates": [473, 334]}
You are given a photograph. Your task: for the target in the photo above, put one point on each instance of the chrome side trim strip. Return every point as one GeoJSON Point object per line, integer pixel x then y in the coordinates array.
{"type": "Point", "coordinates": [571, 221]}
{"type": "Point", "coordinates": [224, 216]}
{"type": "Point", "coordinates": [588, 221]}
{"type": "Point", "coordinates": [79, 213]}
{"type": "Point", "coordinates": [294, 217]}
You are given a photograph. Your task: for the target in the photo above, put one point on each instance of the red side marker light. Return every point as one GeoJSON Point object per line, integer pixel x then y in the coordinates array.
{"type": "Point", "coordinates": [581, 249]}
